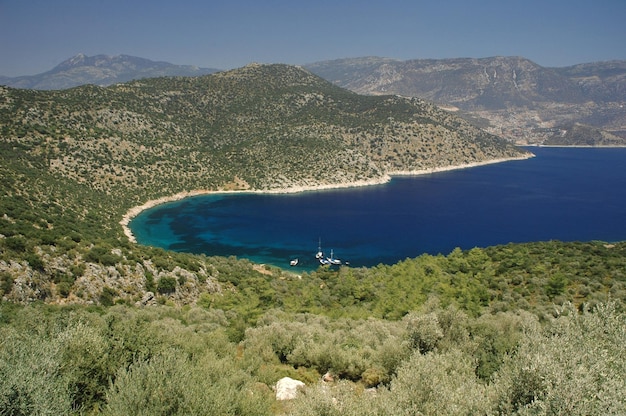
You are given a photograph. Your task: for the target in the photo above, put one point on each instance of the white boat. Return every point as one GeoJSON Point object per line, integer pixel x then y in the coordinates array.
{"type": "Point", "coordinates": [293, 262]}
{"type": "Point", "coordinates": [320, 253]}
{"type": "Point", "coordinates": [332, 260]}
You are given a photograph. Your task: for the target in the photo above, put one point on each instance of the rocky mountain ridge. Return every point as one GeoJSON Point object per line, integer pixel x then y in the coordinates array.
{"type": "Point", "coordinates": [101, 70]}
{"type": "Point", "coordinates": [509, 96]}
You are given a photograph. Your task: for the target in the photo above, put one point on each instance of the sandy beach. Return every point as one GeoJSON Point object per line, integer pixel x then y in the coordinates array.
{"type": "Point", "coordinates": [133, 212]}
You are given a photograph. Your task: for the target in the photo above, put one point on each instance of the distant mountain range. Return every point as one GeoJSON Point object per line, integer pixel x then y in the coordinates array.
{"type": "Point", "coordinates": [512, 97]}
{"type": "Point", "coordinates": [509, 96]}
{"type": "Point", "coordinates": [101, 70]}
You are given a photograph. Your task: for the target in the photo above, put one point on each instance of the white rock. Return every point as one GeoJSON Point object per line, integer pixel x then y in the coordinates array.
{"type": "Point", "coordinates": [287, 388]}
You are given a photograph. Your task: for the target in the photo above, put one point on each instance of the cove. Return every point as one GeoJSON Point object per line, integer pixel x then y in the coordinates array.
{"type": "Point", "coordinates": [568, 194]}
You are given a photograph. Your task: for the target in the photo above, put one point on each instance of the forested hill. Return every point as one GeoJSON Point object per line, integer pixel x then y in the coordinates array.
{"type": "Point", "coordinates": [261, 127]}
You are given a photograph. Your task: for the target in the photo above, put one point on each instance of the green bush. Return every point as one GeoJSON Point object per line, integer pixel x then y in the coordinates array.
{"type": "Point", "coordinates": [575, 365]}
{"type": "Point", "coordinates": [423, 331]}
{"type": "Point", "coordinates": [171, 384]}
{"type": "Point", "coordinates": [166, 285]}
{"type": "Point", "coordinates": [438, 384]}
{"type": "Point", "coordinates": [6, 282]}
{"type": "Point", "coordinates": [16, 243]}
{"type": "Point", "coordinates": [64, 289]}
{"type": "Point", "coordinates": [102, 255]}
{"type": "Point", "coordinates": [35, 262]}
{"type": "Point", "coordinates": [107, 296]}
{"type": "Point", "coordinates": [150, 285]}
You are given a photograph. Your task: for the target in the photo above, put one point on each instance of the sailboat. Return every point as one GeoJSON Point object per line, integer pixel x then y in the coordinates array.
{"type": "Point", "coordinates": [320, 253]}
{"type": "Point", "coordinates": [324, 262]}
{"type": "Point", "coordinates": [332, 260]}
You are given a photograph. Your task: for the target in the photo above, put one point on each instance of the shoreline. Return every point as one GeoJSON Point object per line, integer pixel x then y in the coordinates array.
{"type": "Point", "coordinates": [579, 146]}
{"type": "Point", "coordinates": [134, 211]}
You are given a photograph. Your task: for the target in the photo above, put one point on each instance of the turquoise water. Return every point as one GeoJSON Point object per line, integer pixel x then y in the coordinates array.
{"type": "Point", "coordinates": [565, 194]}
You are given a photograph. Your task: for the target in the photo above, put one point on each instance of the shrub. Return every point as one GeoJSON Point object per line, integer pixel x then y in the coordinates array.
{"type": "Point", "coordinates": [78, 270]}
{"type": "Point", "coordinates": [438, 384]}
{"type": "Point", "coordinates": [374, 376]}
{"type": "Point", "coordinates": [166, 285]}
{"type": "Point", "coordinates": [107, 296]}
{"type": "Point", "coordinates": [424, 331]}
{"type": "Point", "coordinates": [16, 243]}
{"type": "Point", "coordinates": [6, 283]}
{"type": "Point", "coordinates": [102, 255]}
{"type": "Point", "coordinates": [172, 384]}
{"type": "Point", "coordinates": [35, 262]}
{"type": "Point", "coordinates": [31, 378]}
{"type": "Point", "coordinates": [574, 366]}
{"type": "Point", "coordinates": [150, 286]}
{"type": "Point", "coordinates": [64, 289]}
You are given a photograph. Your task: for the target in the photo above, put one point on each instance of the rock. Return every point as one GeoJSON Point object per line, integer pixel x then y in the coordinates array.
{"type": "Point", "coordinates": [147, 299]}
{"type": "Point", "coordinates": [287, 388]}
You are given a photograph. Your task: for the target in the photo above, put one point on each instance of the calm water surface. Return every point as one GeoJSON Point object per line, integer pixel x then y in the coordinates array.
{"type": "Point", "coordinates": [564, 194]}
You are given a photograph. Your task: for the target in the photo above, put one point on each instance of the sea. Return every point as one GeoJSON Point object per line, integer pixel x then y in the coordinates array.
{"type": "Point", "coordinates": [567, 194]}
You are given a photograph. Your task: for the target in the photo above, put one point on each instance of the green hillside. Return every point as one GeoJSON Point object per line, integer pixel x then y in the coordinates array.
{"type": "Point", "coordinates": [91, 323]}
{"type": "Point", "coordinates": [271, 126]}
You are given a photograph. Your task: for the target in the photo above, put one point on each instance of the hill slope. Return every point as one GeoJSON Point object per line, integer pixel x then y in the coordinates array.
{"type": "Point", "coordinates": [516, 96]}
{"type": "Point", "coordinates": [265, 127]}
{"type": "Point", "coordinates": [101, 70]}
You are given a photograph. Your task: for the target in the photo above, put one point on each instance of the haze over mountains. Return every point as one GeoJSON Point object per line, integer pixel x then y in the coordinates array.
{"type": "Point", "coordinates": [512, 97]}
{"type": "Point", "coordinates": [101, 70]}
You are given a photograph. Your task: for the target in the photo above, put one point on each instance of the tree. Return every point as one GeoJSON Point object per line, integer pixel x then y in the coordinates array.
{"type": "Point", "coordinates": [166, 285]}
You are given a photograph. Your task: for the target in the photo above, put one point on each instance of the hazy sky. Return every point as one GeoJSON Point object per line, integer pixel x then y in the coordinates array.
{"type": "Point", "coordinates": [36, 35]}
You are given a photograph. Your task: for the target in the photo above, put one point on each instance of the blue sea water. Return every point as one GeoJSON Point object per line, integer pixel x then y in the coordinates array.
{"type": "Point", "coordinates": [568, 194]}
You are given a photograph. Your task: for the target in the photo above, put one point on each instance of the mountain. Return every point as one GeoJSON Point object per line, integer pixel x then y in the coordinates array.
{"type": "Point", "coordinates": [101, 70]}
{"type": "Point", "coordinates": [510, 96]}
{"type": "Point", "coordinates": [265, 126]}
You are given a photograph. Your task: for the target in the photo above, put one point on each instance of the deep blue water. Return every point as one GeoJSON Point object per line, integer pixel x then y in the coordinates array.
{"type": "Point", "coordinates": [569, 194]}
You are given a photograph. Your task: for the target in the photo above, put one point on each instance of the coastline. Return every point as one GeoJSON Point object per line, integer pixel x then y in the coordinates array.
{"type": "Point", "coordinates": [134, 211]}
{"type": "Point", "coordinates": [579, 146]}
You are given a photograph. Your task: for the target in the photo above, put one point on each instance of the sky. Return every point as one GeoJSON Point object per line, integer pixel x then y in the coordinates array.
{"type": "Point", "coordinates": [37, 35]}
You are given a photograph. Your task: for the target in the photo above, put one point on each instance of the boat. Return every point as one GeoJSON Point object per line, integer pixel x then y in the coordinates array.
{"type": "Point", "coordinates": [332, 260]}
{"type": "Point", "coordinates": [320, 253]}
{"type": "Point", "coordinates": [293, 262]}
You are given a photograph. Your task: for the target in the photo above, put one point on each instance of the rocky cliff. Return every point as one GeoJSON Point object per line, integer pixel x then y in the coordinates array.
{"type": "Point", "coordinates": [509, 96]}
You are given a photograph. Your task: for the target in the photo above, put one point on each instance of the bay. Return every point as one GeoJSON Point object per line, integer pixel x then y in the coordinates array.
{"type": "Point", "coordinates": [568, 194]}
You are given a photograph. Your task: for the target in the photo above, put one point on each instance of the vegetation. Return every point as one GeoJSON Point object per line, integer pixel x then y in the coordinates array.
{"type": "Point", "coordinates": [93, 324]}
{"type": "Point", "coordinates": [435, 361]}
{"type": "Point", "coordinates": [578, 134]}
